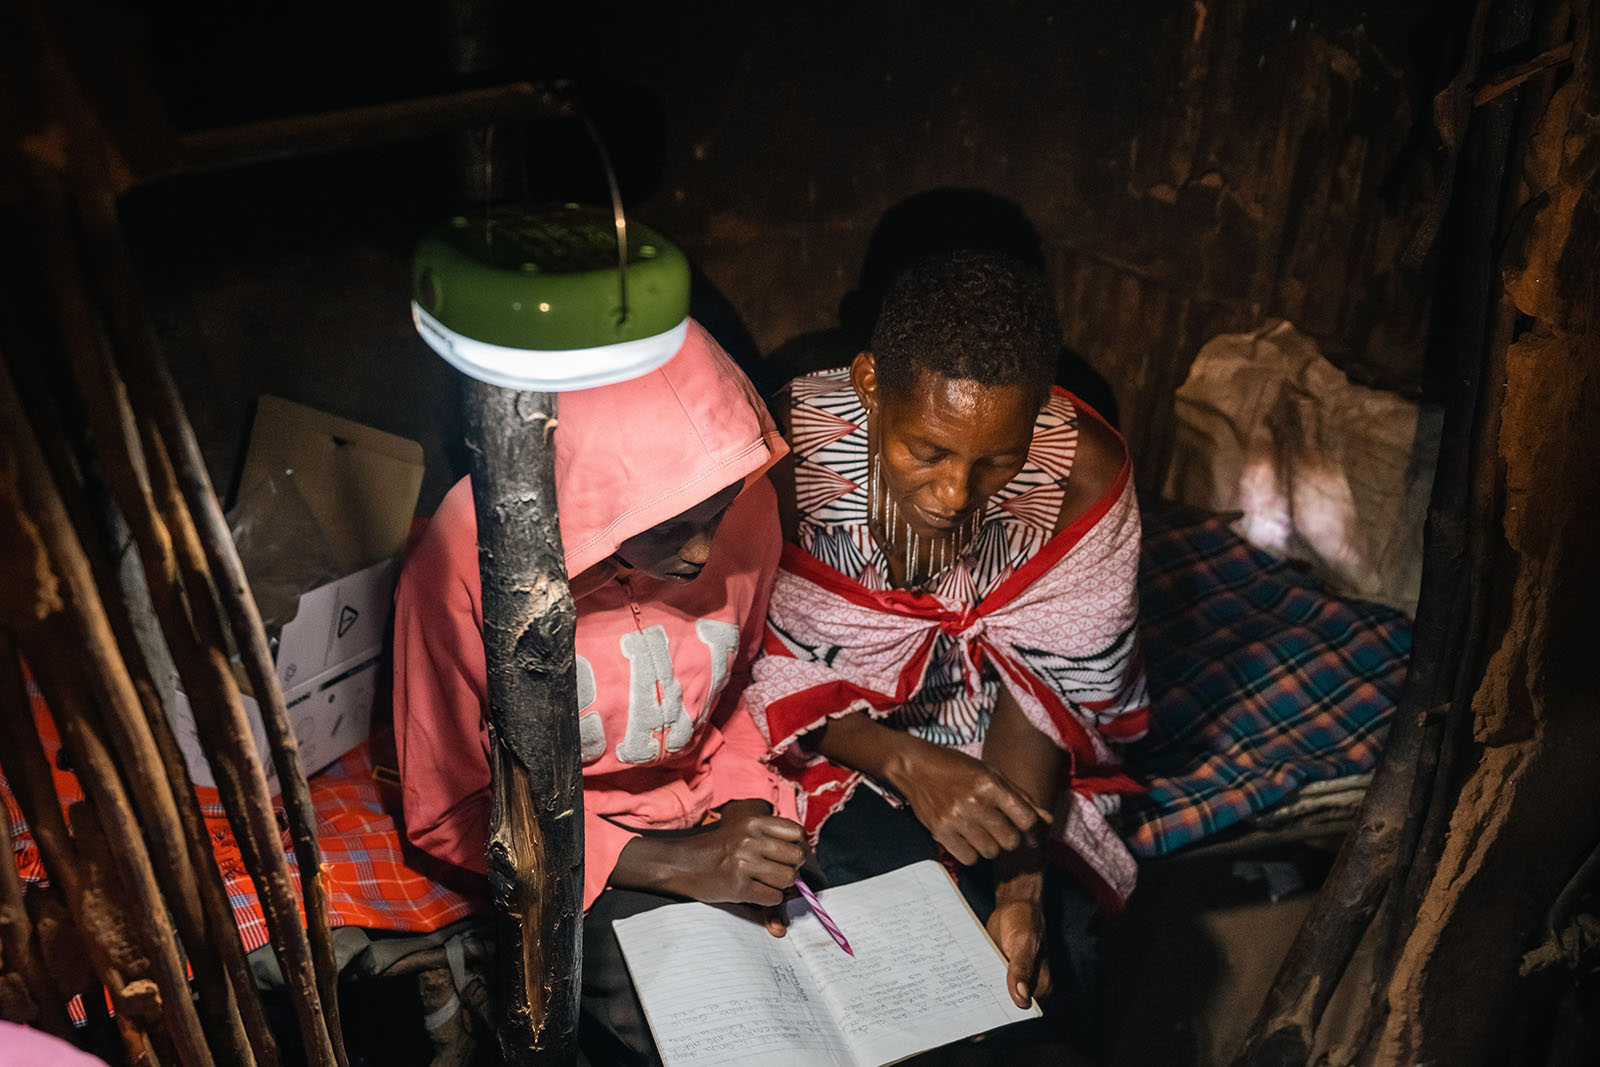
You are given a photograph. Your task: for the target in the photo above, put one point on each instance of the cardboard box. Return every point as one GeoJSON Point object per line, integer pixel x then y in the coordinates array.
{"type": "Point", "coordinates": [361, 486]}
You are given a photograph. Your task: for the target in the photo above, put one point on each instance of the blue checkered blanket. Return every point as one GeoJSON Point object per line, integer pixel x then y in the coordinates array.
{"type": "Point", "coordinates": [1260, 680]}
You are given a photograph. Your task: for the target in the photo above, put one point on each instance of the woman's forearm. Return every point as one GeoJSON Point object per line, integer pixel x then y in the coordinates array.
{"type": "Point", "coordinates": [1015, 747]}
{"type": "Point", "coordinates": [862, 744]}
{"type": "Point", "coordinates": [1031, 762]}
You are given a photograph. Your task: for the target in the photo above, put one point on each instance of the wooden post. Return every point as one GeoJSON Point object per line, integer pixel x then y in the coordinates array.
{"type": "Point", "coordinates": [529, 620]}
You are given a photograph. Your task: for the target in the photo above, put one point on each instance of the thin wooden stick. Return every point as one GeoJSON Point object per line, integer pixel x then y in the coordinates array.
{"type": "Point", "coordinates": [21, 956]}
{"type": "Point", "coordinates": [1508, 79]}
{"type": "Point", "coordinates": [188, 617]}
{"type": "Point", "coordinates": [127, 729]}
{"type": "Point", "coordinates": [357, 127]}
{"type": "Point", "coordinates": [27, 772]}
{"type": "Point", "coordinates": [205, 546]}
{"type": "Point", "coordinates": [130, 615]}
{"type": "Point", "coordinates": [73, 654]}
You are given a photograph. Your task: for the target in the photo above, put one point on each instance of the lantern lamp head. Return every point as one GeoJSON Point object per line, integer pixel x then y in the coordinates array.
{"type": "Point", "coordinates": [540, 299]}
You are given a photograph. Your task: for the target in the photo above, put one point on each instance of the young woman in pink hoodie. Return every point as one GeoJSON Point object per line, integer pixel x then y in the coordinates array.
{"type": "Point", "coordinates": [671, 536]}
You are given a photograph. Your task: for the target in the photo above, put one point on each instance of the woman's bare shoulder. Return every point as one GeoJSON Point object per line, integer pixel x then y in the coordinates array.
{"type": "Point", "coordinates": [1099, 461]}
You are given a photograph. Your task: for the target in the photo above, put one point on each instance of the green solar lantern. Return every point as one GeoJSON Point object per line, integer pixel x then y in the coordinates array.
{"type": "Point", "coordinates": [552, 299]}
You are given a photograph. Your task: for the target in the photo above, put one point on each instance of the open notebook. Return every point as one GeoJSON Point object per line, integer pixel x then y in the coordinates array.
{"type": "Point", "coordinates": [718, 989]}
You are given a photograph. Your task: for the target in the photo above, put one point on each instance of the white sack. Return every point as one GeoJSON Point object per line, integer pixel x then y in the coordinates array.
{"type": "Point", "coordinates": [1330, 473]}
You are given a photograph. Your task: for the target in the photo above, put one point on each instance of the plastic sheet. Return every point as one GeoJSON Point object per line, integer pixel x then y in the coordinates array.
{"type": "Point", "coordinates": [1323, 471]}
{"type": "Point", "coordinates": [284, 549]}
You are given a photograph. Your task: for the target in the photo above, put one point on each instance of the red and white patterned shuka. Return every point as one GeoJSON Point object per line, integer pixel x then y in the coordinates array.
{"type": "Point", "coordinates": [1049, 615]}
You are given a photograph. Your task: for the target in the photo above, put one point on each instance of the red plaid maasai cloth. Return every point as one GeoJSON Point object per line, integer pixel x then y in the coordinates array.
{"type": "Point", "coordinates": [1260, 681]}
{"type": "Point", "coordinates": [374, 879]}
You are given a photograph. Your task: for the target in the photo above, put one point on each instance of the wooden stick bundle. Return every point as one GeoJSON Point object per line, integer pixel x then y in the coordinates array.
{"type": "Point", "coordinates": [73, 655]}
{"type": "Point", "coordinates": [206, 547]}
{"type": "Point", "coordinates": [179, 586]}
{"type": "Point", "coordinates": [27, 772]}
{"type": "Point", "coordinates": [31, 996]}
{"type": "Point", "coordinates": [53, 648]}
{"type": "Point", "coordinates": [234, 986]}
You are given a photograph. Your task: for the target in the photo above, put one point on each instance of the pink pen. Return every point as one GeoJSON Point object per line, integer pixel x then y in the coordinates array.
{"type": "Point", "coordinates": [822, 915]}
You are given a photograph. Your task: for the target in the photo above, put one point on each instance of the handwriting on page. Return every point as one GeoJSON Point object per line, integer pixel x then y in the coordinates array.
{"type": "Point", "coordinates": [721, 990]}
{"type": "Point", "coordinates": [922, 965]}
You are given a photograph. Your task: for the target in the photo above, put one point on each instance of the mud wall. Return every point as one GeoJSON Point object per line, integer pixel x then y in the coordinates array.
{"type": "Point", "coordinates": [1184, 169]}
{"type": "Point", "coordinates": [1529, 811]}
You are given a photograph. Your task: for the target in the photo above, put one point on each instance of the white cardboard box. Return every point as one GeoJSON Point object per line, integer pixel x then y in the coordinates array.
{"type": "Point", "coordinates": [361, 485]}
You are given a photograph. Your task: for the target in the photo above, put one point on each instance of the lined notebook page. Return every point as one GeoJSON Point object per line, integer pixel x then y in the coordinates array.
{"type": "Point", "coordinates": [718, 989]}
{"type": "Point", "coordinates": [924, 974]}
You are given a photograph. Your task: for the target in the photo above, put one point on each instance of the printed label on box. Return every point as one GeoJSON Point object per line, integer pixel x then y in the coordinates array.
{"type": "Point", "coordinates": [336, 623]}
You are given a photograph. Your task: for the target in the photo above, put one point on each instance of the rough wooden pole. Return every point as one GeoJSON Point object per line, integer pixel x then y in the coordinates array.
{"type": "Point", "coordinates": [529, 621]}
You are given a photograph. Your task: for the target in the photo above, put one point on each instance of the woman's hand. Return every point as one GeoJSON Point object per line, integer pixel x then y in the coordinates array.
{"type": "Point", "coordinates": [1017, 927]}
{"type": "Point", "coordinates": [969, 807]}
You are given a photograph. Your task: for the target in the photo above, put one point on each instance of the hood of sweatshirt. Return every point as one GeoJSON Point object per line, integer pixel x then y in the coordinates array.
{"type": "Point", "coordinates": [637, 453]}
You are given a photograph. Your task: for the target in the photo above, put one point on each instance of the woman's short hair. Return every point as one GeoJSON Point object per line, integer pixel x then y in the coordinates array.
{"type": "Point", "coordinates": [981, 316]}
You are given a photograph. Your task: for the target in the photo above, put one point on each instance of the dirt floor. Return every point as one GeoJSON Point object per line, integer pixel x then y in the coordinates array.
{"type": "Point", "coordinates": [1191, 960]}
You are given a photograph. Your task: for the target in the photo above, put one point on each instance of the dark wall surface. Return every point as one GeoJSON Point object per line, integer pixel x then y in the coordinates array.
{"type": "Point", "coordinates": [1181, 170]}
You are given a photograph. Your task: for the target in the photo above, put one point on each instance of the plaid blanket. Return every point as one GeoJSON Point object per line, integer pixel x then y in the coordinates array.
{"type": "Point", "coordinates": [374, 879]}
{"type": "Point", "coordinates": [1260, 681]}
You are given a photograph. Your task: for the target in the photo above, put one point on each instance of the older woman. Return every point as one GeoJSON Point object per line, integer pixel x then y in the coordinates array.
{"type": "Point", "coordinates": [953, 620]}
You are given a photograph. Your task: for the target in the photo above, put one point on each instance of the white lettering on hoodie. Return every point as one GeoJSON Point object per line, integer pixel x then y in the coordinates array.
{"type": "Point", "coordinates": [591, 731]}
{"type": "Point", "coordinates": [655, 699]}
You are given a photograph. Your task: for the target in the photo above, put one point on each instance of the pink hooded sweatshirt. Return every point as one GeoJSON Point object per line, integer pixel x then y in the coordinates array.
{"type": "Point", "coordinates": [661, 666]}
